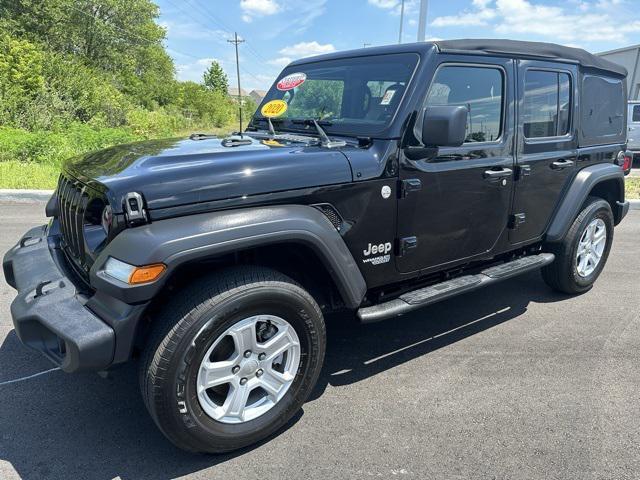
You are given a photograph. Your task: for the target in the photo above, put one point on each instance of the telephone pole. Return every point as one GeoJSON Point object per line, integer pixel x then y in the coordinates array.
{"type": "Point", "coordinates": [401, 21]}
{"type": "Point", "coordinates": [422, 21]}
{"type": "Point", "coordinates": [237, 41]}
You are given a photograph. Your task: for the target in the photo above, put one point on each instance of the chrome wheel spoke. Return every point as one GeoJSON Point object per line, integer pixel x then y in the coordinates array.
{"type": "Point", "coordinates": [273, 382]}
{"type": "Point", "coordinates": [244, 337]}
{"type": "Point", "coordinates": [278, 344]}
{"type": "Point", "coordinates": [237, 401]}
{"type": "Point", "coordinates": [216, 373]}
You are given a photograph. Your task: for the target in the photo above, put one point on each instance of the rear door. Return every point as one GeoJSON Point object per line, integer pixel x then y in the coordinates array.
{"type": "Point", "coordinates": [633, 138]}
{"type": "Point", "coordinates": [546, 151]}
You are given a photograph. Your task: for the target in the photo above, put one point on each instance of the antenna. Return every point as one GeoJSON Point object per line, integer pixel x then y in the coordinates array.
{"type": "Point", "coordinates": [236, 41]}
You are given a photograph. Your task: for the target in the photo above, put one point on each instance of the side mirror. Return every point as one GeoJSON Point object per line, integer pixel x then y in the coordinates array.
{"type": "Point", "coordinates": [444, 126]}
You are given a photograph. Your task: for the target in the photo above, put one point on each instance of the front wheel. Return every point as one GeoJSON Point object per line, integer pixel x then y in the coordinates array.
{"type": "Point", "coordinates": [582, 254]}
{"type": "Point", "coordinates": [232, 359]}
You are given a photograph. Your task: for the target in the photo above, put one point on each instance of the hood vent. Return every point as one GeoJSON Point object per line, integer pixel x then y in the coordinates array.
{"type": "Point", "coordinates": [332, 214]}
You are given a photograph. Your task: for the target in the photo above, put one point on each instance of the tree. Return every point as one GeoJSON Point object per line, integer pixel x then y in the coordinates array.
{"type": "Point", "coordinates": [215, 79]}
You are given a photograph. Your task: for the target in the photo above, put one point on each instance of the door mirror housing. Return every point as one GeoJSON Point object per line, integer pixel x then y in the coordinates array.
{"type": "Point", "coordinates": [444, 126]}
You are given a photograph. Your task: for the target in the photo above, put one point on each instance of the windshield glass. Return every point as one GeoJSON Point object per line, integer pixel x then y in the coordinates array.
{"type": "Point", "coordinates": [353, 96]}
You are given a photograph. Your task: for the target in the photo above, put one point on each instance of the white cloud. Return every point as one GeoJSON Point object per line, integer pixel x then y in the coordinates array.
{"type": "Point", "coordinates": [194, 70]}
{"type": "Point", "coordinates": [395, 6]}
{"type": "Point", "coordinates": [307, 49]}
{"type": "Point", "coordinates": [193, 31]}
{"type": "Point", "coordinates": [596, 21]}
{"type": "Point", "coordinates": [301, 50]}
{"type": "Point", "coordinates": [280, 62]}
{"type": "Point", "coordinates": [256, 8]}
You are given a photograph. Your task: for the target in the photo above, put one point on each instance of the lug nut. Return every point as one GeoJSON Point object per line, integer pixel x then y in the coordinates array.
{"type": "Point", "coordinates": [262, 356]}
{"type": "Point", "coordinates": [259, 373]}
{"type": "Point", "coordinates": [243, 381]}
{"type": "Point", "coordinates": [247, 354]}
{"type": "Point", "coordinates": [235, 369]}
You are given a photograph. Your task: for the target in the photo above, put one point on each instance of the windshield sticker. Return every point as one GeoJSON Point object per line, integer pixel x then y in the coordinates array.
{"type": "Point", "coordinates": [388, 95]}
{"type": "Point", "coordinates": [274, 108]}
{"type": "Point", "coordinates": [291, 81]}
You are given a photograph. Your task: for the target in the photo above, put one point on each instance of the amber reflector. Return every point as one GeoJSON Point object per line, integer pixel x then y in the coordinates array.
{"type": "Point", "coordinates": [146, 274]}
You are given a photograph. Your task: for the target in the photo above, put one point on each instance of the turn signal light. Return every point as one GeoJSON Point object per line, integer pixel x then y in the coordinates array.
{"type": "Point", "coordinates": [148, 273]}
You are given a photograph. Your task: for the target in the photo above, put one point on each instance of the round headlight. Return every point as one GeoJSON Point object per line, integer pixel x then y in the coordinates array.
{"type": "Point", "coordinates": [107, 218]}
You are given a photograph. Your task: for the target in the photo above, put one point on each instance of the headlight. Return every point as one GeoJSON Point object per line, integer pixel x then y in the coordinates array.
{"type": "Point", "coordinates": [106, 218]}
{"type": "Point", "coordinates": [131, 274]}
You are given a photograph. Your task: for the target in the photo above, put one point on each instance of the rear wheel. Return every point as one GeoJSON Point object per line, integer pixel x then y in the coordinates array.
{"type": "Point", "coordinates": [582, 254]}
{"type": "Point", "coordinates": [232, 360]}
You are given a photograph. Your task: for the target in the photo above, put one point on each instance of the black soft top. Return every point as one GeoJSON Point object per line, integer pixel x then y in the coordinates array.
{"type": "Point", "coordinates": [548, 51]}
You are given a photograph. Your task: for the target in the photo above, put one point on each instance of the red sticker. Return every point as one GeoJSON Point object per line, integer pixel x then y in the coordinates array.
{"type": "Point", "coordinates": [291, 81]}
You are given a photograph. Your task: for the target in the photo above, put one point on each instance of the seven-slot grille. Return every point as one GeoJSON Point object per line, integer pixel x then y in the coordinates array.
{"type": "Point", "coordinates": [72, 203]}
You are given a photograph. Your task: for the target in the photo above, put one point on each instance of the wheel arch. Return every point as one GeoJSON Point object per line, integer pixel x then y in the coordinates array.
{"type": "Point", "coordinates": [605, 181]}
{"type": "Point", "coordinates": [231, 236]}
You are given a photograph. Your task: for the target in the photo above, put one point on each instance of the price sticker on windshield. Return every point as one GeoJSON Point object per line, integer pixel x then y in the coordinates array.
{"type": "Point", "coordinates": [291, 81]}
{"type": "Point", "coordinates": [274, 108]}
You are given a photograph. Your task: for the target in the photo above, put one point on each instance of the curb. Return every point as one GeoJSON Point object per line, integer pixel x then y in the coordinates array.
{"type": "Point", "coordinates": [634, 204]}
{"type": "Point", "coordinates": [24, 196]}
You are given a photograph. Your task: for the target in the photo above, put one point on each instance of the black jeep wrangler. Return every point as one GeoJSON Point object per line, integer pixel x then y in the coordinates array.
{"type": "Point", "coordinates": [376, 181]}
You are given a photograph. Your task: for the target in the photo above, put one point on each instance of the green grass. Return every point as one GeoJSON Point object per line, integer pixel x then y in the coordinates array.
{"type": "Point", "coordinates": [14, 174]}
{"type": "Point", "coordinates": [632, 188]}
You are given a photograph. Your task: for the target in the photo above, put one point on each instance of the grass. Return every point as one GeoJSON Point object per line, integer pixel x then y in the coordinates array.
{"type": "Point", "coordinates": [31, 175]}
{"type": "Point", "coordinates": [632, 188]}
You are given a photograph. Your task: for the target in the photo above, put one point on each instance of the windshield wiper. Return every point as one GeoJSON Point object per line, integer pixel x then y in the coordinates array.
{"type": "Point", "coordinates": [325, 141]}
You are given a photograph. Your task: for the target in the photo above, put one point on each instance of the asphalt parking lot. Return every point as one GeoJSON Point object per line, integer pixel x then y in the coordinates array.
{"type": "Point", "coordinates": [513, 381]}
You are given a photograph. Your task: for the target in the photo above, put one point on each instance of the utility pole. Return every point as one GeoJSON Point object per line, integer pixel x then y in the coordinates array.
{"type": "Point", "coordinates": [365, 45]}
{"type": "Point", "coordinates": [422, 21]}
{"type": "Point", "coordinates": [401, 21]}
{"type": "Point", "coordinates": [236, 41]}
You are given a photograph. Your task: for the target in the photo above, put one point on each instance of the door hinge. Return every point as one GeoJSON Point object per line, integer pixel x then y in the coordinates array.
{"type": "Point", "coordinates": [409, 185]}
{"type": "Point", "coordinates": [523, 171]}
{"type": "Point", "coordinates": [517, 219]}
{"type": "Point", "coordinates": [405, 244]}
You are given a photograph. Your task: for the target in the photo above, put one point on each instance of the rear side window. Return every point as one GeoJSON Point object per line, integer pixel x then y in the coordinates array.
{"type": "Point", "coordinates": [547, 104]}
{"type": "Point", "coordinates": [480, 89]}
{"type": "Point", "coordinates": [635, 117]}
{"type": "Point", "coordinates": [603, 110]}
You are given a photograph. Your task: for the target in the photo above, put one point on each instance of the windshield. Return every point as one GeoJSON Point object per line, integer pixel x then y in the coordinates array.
{"type": "Point", "coordinates": [352, 96]}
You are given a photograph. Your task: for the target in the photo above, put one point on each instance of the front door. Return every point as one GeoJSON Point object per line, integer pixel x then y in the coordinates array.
{"type": "Point", "coordinates": [546, 145]}
{"type": "Point", "coordinates": [455, 204]}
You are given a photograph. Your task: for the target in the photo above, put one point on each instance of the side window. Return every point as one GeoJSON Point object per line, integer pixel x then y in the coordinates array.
{"type": "Point", "coordinates": [636, 114]}
{"type": "Point", "coordinates": [547, 104]}
{"type": "Point", "coordinates": [480, 89]}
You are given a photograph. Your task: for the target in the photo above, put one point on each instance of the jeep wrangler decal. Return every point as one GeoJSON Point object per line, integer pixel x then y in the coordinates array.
{"type": "Point", "coordinates": [382, 248]}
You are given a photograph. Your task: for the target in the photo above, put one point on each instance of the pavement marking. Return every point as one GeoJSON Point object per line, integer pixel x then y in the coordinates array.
{"type": "Point", "coordinates": [28, 377]}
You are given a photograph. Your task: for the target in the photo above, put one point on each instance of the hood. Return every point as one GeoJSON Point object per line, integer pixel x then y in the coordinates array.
{"type": "Point", "coordinates": [177, 172]}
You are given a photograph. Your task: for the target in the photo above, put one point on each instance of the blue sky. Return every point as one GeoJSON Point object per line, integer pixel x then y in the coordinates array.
{"type": "Point", "coordinates": [278, 31]}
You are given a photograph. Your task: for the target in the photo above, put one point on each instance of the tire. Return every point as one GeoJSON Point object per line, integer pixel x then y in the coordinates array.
{"type": "Point", "coordinates": [194, 322]}
{"type": "Point", "coordinates": [563, 274]}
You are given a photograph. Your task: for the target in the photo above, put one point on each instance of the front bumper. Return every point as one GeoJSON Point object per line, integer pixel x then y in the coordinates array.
{"type": "Point", "coordinates": [49, 312]}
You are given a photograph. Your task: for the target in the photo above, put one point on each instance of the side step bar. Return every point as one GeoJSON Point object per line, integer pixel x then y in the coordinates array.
{"type": "Point", "coordinates": [441, 291]}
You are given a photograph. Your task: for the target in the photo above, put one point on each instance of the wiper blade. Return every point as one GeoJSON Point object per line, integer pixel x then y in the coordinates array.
{"type": "Point", "coordinates": [325, 141]}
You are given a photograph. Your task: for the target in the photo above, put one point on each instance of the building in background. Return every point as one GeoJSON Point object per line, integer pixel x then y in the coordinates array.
{"type": "Point", "coordinates": [257, 95]}
{"type": "Point", "coordinates": [629, 58]}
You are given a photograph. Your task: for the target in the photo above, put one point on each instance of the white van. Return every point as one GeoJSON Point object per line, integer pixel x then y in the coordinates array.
{"type": "Point", "coordinates": [633, 138]}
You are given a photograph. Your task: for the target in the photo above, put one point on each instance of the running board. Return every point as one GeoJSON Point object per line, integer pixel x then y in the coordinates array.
{"type": "Point", "coordinates": [441, 291]}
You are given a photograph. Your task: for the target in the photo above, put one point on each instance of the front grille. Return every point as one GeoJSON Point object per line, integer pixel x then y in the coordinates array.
{"type": "Point", "coordinates": [72, 203]}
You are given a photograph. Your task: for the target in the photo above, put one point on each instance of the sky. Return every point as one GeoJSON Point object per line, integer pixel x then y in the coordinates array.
{"type": "Point", "coordinates": [276, 32]}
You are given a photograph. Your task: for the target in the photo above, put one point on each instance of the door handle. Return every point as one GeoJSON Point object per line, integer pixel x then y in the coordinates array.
{"type": "Point", "coordinates": [560, 164]}
{"type": "Point", "coordinates": [494, 175]}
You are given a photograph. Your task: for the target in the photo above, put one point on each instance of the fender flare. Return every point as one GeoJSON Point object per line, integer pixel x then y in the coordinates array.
{"type": "Point", "coordinates": [178, 240]}
{"type": "Point", "coordinates": [582, 184]}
